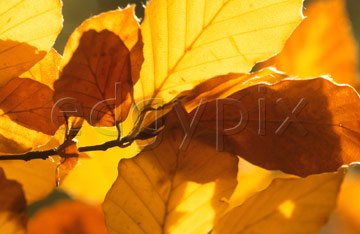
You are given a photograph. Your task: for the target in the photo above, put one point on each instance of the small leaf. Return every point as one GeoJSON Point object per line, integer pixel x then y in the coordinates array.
{"type": "Point", "coordinates": [28, 117]}
{"type": "Point", "coordinates": [13, 217]}
{"type": "Point", "coordinates": [80, 218]}
{"type": "Point", "coordinates": [286, 206]}
{"type": "Point", "coordinates": [323, 44]}
{"type": "Point", "coordinates": [169, 189]}
{"type": "Point", "coordinates": [187, 42]}
{"type": "Point", "coordinates": [97, 67]}
{"type": "Point", "coordinates": [301, 127]}
{"type": "Point", "coordinates": [27, 32]}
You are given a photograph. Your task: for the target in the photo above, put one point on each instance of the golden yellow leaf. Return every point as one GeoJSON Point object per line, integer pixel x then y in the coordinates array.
{"type": "Point", "coordinates": [68, 217]}
{"type": "Point", "coordinates": [46, 71]}
{"type": "Point", "coordinates": [93, 186]}
{"type": "Point", "coordinates": [323, 44]}
{"type": "Point", "coordinates": [297, 126]}
{"type": "Point", "coordinates": [36, 176]}
{"type": "Point", "coordinates": [27, 32]}
{"type": "Point", "coordinates": [96, 68]}
{"type": "Point", "coordinates": [28, 117]}
{"type": "Point", "coordinates": [286, 206]}
{"type": "Point", "coordinates": [171, 189]}
{"type": "Point", "coordinates": [187, 42]}
{"type": "Point", "coordinates": [13, 215]}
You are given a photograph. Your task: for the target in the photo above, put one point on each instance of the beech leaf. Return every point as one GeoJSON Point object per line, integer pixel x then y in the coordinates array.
{"type": "Point", "coordinates": [169, 189]}
{"type": "Point", "coordinates": [323, 44]}
{"type": "Point", "coordinates": [289, 205]}
{"type": "Point", "coordinates": [187, 42]}
{"type": "Point", "coordinates": [301, 127]}
{"type": "Point", "coordinates": [13, 217]}
{"type": "Point", "coordinates": [27, 32]}
{"type": "Point", "coordinates": [96, 68]}
{"type": "Point", "coordinates": [28, 117]}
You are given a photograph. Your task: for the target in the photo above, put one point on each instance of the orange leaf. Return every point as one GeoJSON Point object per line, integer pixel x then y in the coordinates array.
{"type": "Point", "coordinates": [46, 71]}
{"type": "Point", "coordinates": [323, 44]}
{"type": "Point", "coordinates": [80, 218]}
{"type": "Point", "coordinates": [13, 217]}
{"type": "Point", "coordinates": [26, 115]}
{"type": "Point", "coordinates": [298, 126]}
{"type": "Point", "coordinates": [28, 30]}
{"type": "Point", "coordinates": [96, 68]}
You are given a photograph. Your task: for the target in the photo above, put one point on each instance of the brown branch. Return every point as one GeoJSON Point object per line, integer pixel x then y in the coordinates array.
{"type": "Point", "coordinates": [124, 142]}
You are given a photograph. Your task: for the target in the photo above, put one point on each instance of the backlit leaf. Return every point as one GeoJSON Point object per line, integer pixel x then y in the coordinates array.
{"type": "Point", "coordinates": [46, 71]}
{"type": "Point", "coordinates": [28, 116]}
{"type": "Point", "coordinates": [37, 177]}
{"type": "Point", "coordinates": [323, 44]}
{"type": "Point", "coordinates": [96, 68]}
{"type": "Point", "coordinates": [27, 32]}
{"type": "Point", "coordinates": [169, 189]}
{"type": "Point", "coordinates": [286, 206]}
{"type": "Point", "coordinates": [13, 215]}
{"type": "Point", "coordinates": [187, 42]}
{"type": "Point", "coordinates": [298, 126]}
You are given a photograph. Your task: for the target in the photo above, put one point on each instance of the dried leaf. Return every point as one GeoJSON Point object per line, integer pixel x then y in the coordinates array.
{"type": "Point", "coordinates": [13, 217]}
{"type": "Point", "coordinates": [186, 43]}
{"type": "Point", "coordinates": [96, 68]}
{"type": "Point", "coordinates": [28, 30]}
{"type": "Point", "coordinates": [286, 206]}
{"type": "Point", "coordinates": [323, 44]}
{"type": "Point", "coordinates": [169, 189]}
{"type": "Point", "coordinates": [298, 126]}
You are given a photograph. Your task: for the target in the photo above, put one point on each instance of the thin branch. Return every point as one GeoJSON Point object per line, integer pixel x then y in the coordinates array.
{"type": "Point", "coordinates": [124, 142]}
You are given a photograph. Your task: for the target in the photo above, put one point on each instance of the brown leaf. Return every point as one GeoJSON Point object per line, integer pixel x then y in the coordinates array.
{"type": "Point", "coordinates": [170, 189]}
{"type": "Point", "coordinates": [13, 217]}
{"type": "Point", "coordinates": [28, 116]}
{"type": "Point", "coordinates": [286, 206]}
{"type": "Point", "coordinates": [96, 69]}
{"type": "Point", "coordinates": [298, 126]}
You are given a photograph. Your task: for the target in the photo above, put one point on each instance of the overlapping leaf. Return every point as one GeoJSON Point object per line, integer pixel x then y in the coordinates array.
{"type": "Point", "coordinates": [286, 206]}
{"type": "Point", "coordinates": [187, 42]}
{"type": "Point", "coordinates": [323, 44]}
{"type": "Point", "coordinates": [13, 215]}
{"type": "Point", "coordinates": [27, 32]}
{"type": "Point", "coordinates": [298, 126]}
{"type": "Point", "coordinates": [97, 66]}
{"type": "Point", "coordinates": [171, 189]}
{"type": "Point", "coordinates": [28, 115]}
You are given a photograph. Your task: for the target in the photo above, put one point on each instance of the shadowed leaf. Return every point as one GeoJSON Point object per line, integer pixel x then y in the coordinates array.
{"type": "Point", "coordinates": [13, 217]}
{"type": "Point", "coordinates": [26, 110]}
{"type": "Point", "coordinates": [97, 68]}
{"type": "Point", "coordinates": [298, 126]}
